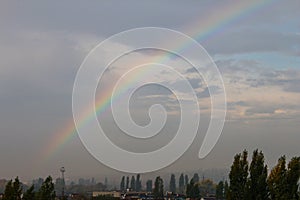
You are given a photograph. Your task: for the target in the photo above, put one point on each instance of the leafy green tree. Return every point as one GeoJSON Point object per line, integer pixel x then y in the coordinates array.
{"type": "Point", "coordinates": [283, 182]}
{"type": "Point", "coordinates": [257, 183]}
{"type": "Point", "coordinates": [29, 194]}
{"type": "Point", "coordinates": [277, 180]}
{"type": "Point", "coordinates": [206, 186]}
{"type": "Point", "coordinates": [189, 188]}
{"type": "Point", "coordinates": [122, 184]}
{"type": "Point", "coordinates": [181, 183]}
{"type": "Point", "coordinates": [158, 190]}
{"type": "Point", "coordinates": [238, 177]}
{"type": "Point", "coordinates": [138, 183]}
{"type": "Point", "coordinates": [220, 191]}
{"type": "Point", "coordinates": [149, 186]}
{"type": "Point", "coordinates": [132, 183]}
{"type": "Point", "coordinates": [47, 190]}
{"type": "Point", "coordinates": [195, 192]}
{"type": "Point", "coordinates": [173, 184]}
{"type": "Point", "coordinates": [192, 190]}
{"type": "Point", "coordinates": [292, 176]}
{"type": "Point", "coordinates": [13, 190]}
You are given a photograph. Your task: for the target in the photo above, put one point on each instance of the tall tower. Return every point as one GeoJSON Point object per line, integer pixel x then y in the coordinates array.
{"type": "Point", "coordinates": [62, 170]}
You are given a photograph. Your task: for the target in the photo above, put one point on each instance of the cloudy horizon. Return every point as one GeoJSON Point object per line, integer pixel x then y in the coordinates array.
{"type": "Point", "coordinates": [257, 51]}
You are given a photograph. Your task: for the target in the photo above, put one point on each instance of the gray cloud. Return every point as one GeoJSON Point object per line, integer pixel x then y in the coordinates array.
{"type": "Point", "coordinates": [209, 91]}
{"type": "Point", "coordinates": [288, 80]}
{"type": "Point", "coordinates": [232, 104]}
{"type": "Point", "coordinates": [260, 110]}
{"type": "Point", "coordinates": [253, 40]}
{"type": "Point", "coordinates": [254, 74]}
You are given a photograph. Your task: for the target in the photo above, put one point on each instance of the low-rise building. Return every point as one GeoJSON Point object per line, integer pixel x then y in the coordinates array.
{"type": "Point", "coordinates": [115, 194]}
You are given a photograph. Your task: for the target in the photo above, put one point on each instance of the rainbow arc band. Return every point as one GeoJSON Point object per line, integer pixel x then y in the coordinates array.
{"type": "Point", "coordinates": [91, 133]}
{"type": "Point", "coordinates": [204, 29]}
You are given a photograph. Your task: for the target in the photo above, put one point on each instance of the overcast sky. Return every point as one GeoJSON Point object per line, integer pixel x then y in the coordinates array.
{"type": "Point", "coordinates": [43, 44]}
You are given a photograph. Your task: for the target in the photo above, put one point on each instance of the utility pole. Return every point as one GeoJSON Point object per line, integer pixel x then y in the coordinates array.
{"type": "Point", "coordinates": [62, 170]}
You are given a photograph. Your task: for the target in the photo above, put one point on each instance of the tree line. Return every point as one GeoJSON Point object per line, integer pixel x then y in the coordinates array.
{"type": "Point", "coordinates": [251, 181]}
{"type": "Point", "coordinates": [247, 181]}
{"type": "Point", "coordinates": [193, 188]}
{"type": "Point", "coordinates": [135, 183]}
{"type": "Point", "coordinates": [14, 191]}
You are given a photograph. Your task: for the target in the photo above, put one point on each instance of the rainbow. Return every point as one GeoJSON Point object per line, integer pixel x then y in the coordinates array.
{"type": "Point", "coordinates": [209, 26]}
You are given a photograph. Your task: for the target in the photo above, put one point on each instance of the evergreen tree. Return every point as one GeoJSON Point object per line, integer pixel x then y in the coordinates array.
{"type": "Point", "coordinates": [127, 182]}
{"type": "Point", "coordinates": [181, 183]}
{"type": "Point", "coordinates": [226, 190]}
{"type": "Point", "coordinates": [29, 194]}
{"type": "Point", "coordinates": [238, 177]}
{"type": "Point", "coordinates": [173, 184]}
{"type": "Point", "coordinates": [257, 184]}
{"type": "Point", "coordinates": [13, 190]}
{"type": "Point", "coordinates": [220, 191]}
{"type": "Point", "coordinates": [132, 183]}
{"type": "Point", "coordinates": [9, 191]}
{"type": "Point", "coordinates": [138, 183]}
{"type": "Point", "coordinates": [17, 185]}
{"type": "Point", "coordinates": [186, 180]}
{"type": "Point", "coordinates": [158, 190]}
{"type": "Point", "coordinates": [196, 178]}
{"type": "Point", "coordinates": [149, 186]}
{"type": "Point", "coordinates": [122, 184]}
{"type": "Point", "coordinates": [189, 187]}
{"type": "Point", "coordinates": [47, 190]}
